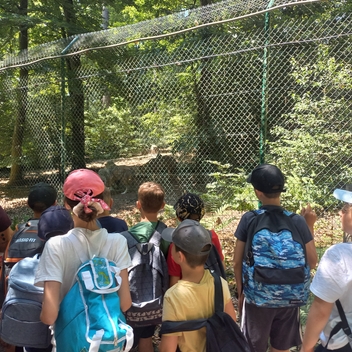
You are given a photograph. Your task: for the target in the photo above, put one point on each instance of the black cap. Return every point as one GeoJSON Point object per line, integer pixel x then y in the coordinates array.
{"type": "Point", "coordinates": [267, 178]}
{"type": "Point", "coordinates": [42, 193]}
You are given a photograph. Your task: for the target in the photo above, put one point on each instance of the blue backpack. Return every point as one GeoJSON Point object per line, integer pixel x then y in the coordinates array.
{"type": "Point", "coordinates": [275, 270]}
{"type": "Point", "coordinates": [22, 306]}
{"type": "Point", "coordinates": [90, 318]}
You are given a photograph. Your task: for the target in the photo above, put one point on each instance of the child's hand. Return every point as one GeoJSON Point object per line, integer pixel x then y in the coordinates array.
{"type": "Point", "coordinates": [310, 216]}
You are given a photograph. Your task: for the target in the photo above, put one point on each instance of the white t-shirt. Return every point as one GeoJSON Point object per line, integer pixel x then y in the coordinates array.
{"type": "Point", "coordinates": [333, 281]}
{"type": "Point", "coordinates": [60, 262]}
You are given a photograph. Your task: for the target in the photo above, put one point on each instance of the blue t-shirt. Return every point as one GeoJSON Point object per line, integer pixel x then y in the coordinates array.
{"type": "Point", "coordinates": [113, 225]}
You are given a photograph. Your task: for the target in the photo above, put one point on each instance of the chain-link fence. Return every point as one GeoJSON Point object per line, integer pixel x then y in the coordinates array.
{"type": "Point", "coordinates": [194, 100]}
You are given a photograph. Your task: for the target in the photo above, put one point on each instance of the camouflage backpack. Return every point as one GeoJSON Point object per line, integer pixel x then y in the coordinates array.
{"type": "Point", "coordinates": [275, 270]}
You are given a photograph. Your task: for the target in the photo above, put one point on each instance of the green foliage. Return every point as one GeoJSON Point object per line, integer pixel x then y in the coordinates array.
{"type": "Point", "coordinates": [313, 147]}
{"type": "Point", "coordinates": [229, 190]}
{"type": "Point", "coordinates": [111, 132]}
{"type": "Point", "coordinates": [166, 125]}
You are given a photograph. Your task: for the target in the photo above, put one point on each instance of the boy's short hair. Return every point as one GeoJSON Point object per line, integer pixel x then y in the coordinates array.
{"type": "Point", "coordinates": [151, 195]}
{"type": "Point", "coordinates": [189, 204]}
{"type": "Point", "coordinates": [268, 179]}
{"type": "Point", "coordinates": [41, 196]}
{"type": "Point", "coordinates": [192, 239]}
{"type": "Point", "coordinates": [56, 220]}
{"type": "Point", "coordinates": [194, 260]}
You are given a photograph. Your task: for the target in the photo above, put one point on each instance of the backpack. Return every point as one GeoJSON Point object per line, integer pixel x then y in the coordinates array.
{"type": "Point", "coordinates": [24, 243]}
{"type": "Point", "coordinates": [148, 278]}
{"type": "Point", "coordinates": [90, 318]}
{"type": "Point", "coordinates": [214, 263]}
{"type": "Point", "coordinates": [343, 324]}
{"type": "Point", "coordinates": [275, 270]}
{"type": "Point", "coordinates": [222, 332]}
{"type": "Point", "coordinates": [22, 307]}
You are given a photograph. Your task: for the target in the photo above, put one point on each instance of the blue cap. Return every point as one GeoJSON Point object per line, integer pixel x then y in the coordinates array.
{"type": "Point", "coordinates": [341, 194]}
{"type": "Point", "coordinates": [56, 220]}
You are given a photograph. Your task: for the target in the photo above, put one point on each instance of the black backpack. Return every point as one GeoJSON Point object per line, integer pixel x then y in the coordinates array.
{"type": "Point", "coordinates": [222, 332]}
{"type": "Point", "coordinates": [214, 263]}
{"type": "Point", "coordinates": [343, 324]}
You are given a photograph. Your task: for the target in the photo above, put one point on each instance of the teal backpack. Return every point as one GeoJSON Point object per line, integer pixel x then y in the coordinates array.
{"type": "Point", "coordinates": [90, 318]}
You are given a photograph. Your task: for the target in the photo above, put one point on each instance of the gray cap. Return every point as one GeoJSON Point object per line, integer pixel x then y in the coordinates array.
{"type": "Point", "coordinates": [190, 236]}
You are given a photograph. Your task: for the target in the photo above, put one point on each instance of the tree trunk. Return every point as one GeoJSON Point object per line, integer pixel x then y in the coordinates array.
{"type": "Point", "coordinates": [75, 88]}
{"type": "Point", "coordinates": [22, 101]}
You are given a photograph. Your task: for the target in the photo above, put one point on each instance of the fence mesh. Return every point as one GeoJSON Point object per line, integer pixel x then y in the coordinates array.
{"type": "Point", "coordinates": [193, 100]}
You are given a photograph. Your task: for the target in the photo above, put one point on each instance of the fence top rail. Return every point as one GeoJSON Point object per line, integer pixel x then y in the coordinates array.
{"type": "Point", "coordinates": [178, 23]}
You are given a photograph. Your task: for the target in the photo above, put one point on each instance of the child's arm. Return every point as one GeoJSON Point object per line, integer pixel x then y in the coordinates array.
{"type": "Point", "coordinates": [168, 343]}
{"type": "Point", "coordinates": [310, 216]}
{"type": "Point", "coordinates": [318, 316]}
{"type": "Point", "coordinates": [237, 266]}
{"type": "Point", "coordinates": [124, 292]}
{"type": "Point", "coordinates": [51, 302]}
{"type": "Point", "coordinates": [230, 310]}
{"type": "Point", "coordinates": [312, 256]}
{"type": "Point", "coordinates": [7, 234]}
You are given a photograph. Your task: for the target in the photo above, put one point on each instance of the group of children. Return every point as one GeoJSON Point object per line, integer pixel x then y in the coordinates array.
{"type": "Point", "coordinates": [191, 293]}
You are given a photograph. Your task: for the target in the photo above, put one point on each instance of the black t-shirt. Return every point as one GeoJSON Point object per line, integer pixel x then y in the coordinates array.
{"type": "Point", "coordinates": [299, 221]}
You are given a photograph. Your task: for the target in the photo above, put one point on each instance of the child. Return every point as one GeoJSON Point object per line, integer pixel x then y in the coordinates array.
{"type": "Point", "coordinates": [150, 202]}
{"type": "Point", "coordinates": [193, 296]}
{"type": "Point", "coordinates": [189, 206]}
{"type": "Point", "coordinates": [54, 221]}
{"type": "Point", "coordinates": [112, 224]}
{"type": "Point", "coordinates": [332, 282]}
{"type": "Point", "coordinates": [83, 190]}
{"type": "Point", "coordinates": [41, 196]}
{"type": "Point", "coordinates": [260, 322]}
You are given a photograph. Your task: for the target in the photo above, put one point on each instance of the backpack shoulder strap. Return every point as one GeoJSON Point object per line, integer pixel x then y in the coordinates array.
{"type": "Point", "coordinates": [168, 327]}
{"type": "Point", "coordinates": [215, 259]}
{"type": "Point", "coordinates": [345, 327]}
{"type": "Point", "coordinates": [81, 253]}
{"type": "Point", "coordinates": [131, 240]}
{"type": "Point", "coordinates": [343, 324]}
{"type": "Point", "coordinates": [251, 231]}
{"type": "Point", "coordinates": [156, 238]}
{"type": "Point", "coordinates": [218, 294]}
{"type": "Point", "coordinates": [77, 247]}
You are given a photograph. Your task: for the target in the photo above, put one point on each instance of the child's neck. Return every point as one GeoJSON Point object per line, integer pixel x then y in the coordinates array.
{"type": "Point", "coordinates": [86, 225]}
{"type": "Point", "coordinates": [151, 217]}
{"type": "Point", "coordinates": [192, 274]}
{"type": "Point", "coordinates": [274, 201]}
